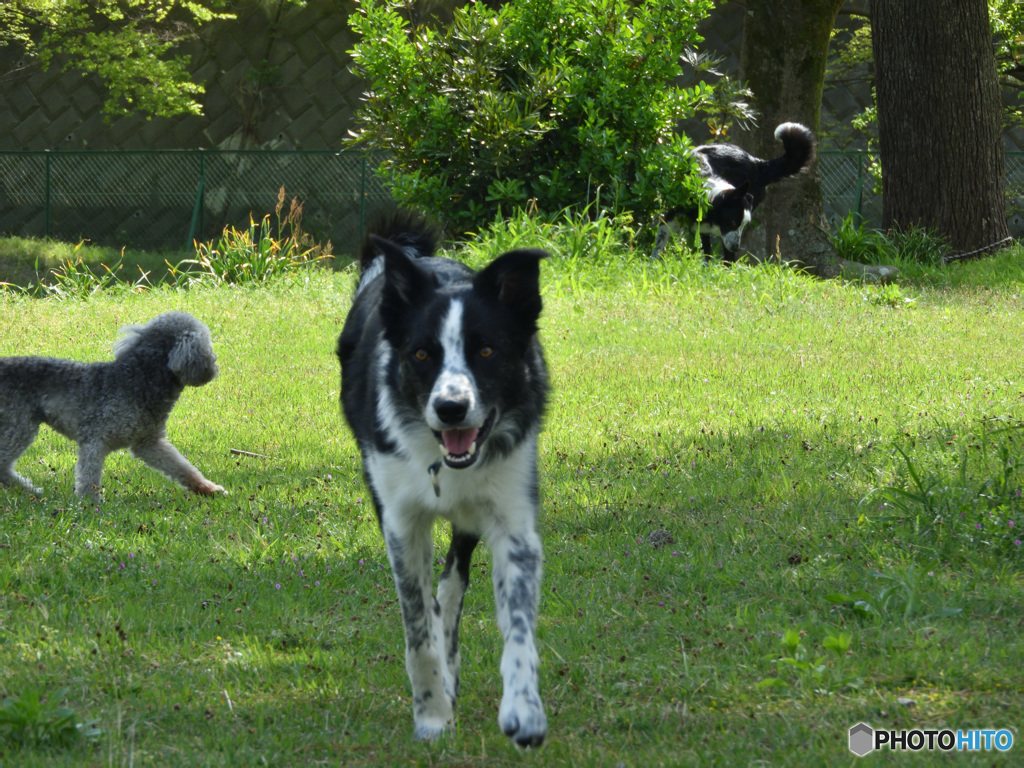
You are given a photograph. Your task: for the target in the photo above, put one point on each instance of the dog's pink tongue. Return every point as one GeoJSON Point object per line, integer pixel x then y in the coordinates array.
{"type": "Point", "coordinates": [458, 441]}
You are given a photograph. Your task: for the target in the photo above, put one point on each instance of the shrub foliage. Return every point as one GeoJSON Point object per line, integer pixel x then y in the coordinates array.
{"type": "Point", "coordinates": [560, 102]}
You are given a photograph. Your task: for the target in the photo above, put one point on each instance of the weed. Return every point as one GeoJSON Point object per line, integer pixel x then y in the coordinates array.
{"type": "Point", "coordinates": [979, 506]}
{"type": "Point", "coordinates": [888, 295]}
{"type": "Point", "coordinates": [30, 720]}
{"type": "Point", "coordinates": [902, 597]}
{"type": "Point", "coordinates": [253, 255]}
{"type": "Point", "coordinates": [855, 241]}
{"type": "Point", "coordinates": [814, 673]}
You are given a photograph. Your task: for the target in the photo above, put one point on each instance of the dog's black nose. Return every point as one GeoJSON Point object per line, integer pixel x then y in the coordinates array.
{"type": "Point", "coordinates": [451, 411]}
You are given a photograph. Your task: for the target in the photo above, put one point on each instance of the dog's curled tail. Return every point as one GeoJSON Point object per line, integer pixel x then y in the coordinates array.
{"type": "Point", "coordinates": [416, 236]}
{"type": "Point", "coordinates": [799, 145]}
{"type": "Point", "coordinates": [406, 229]}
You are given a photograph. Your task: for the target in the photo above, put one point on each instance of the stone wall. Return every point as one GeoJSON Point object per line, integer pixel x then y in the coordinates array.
{"type": "Point", "coordinates": [302, 98]}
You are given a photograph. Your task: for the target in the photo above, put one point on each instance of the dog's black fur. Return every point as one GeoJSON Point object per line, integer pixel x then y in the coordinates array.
{"type": "Point", "coordinates": [443, 383]}
{"type": "Point", "coordinates": [736, 182]}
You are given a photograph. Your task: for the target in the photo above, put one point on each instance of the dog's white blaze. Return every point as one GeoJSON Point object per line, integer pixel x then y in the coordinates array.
{"type": "Point", "coordinates": [455, 381]}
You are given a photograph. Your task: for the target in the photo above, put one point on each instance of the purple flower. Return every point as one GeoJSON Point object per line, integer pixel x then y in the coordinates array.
{"type": "Point", "coordinates": [316, 583]}
{"type": "Point", "coordinates": [361, 561]}
{"type": "Point", "coordinates": [277, 586]}
{"type": "Point", "coordinates": [978, 526]}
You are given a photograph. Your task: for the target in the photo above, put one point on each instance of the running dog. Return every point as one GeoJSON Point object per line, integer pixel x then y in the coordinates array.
{"type": "Point", "coordinates": [443, 383]}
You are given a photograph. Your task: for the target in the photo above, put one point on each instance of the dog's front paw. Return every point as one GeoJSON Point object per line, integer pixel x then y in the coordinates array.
{"type": "Point", "coordinates": [205, 488]}
{"type": "Point", "coordinates": [522, 719]}
{"type": "Point", "coordinates": [431, 728]}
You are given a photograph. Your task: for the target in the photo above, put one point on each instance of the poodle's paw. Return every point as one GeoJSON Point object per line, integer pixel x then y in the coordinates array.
{"type": "Point", "coordinates": [206, 488]}
{"type": "Point", "coordinates": [14, 480]}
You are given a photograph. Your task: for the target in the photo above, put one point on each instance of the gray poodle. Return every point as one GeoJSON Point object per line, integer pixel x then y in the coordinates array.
{"type": "Point", "coordinates": [106, 406]}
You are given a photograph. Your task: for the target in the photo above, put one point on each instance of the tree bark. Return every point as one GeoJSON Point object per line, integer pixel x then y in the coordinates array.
{"type": "Point", "coordinates": [783, 57]}
{"type": "Point", "coordinates": [785, 47]}
{"type": "Point", "coordinates": [939, 120]}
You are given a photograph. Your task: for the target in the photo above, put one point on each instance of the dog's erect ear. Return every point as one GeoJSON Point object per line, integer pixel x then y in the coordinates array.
{"type": "Point", "coordinates": [192, 360]}
{"type": "Point", "coordinates": [404, 282]}
{"type": "Point", "coordinates": [513, 279]}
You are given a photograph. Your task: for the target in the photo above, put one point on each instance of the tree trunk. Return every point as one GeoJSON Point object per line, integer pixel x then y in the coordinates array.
{"type": "Point", "coordinates": [939, 120]}
{"type": "Point", "coordinates": [785, 47]}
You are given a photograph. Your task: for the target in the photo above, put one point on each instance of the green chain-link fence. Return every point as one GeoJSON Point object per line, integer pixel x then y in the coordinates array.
{"type": "Point", "coordinates": [154, 199]}
{"type": "Point", "coordinates": [849, 186]}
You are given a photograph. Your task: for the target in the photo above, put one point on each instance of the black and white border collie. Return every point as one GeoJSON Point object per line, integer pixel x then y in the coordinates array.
{"type": "Point", "coordinates": [443, 383]}
{"type": "Point", "coordinates": [735, 185]}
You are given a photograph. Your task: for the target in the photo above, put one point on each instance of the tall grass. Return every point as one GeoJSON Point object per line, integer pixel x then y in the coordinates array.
{"type": "Point", "coordinates": [276, 246]}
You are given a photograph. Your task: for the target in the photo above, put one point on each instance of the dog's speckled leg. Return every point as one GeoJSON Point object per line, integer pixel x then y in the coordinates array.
{"type": "Point", "coordinates": [433, 689]}
{"type": "Point", "coordinates": [451, 588]}
{"type": "Point", "coordinates": [516, 577]}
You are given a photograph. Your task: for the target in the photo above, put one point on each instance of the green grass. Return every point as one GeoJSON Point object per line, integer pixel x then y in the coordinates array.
{"type": "Point", "coordinates": [821, 454]}
{"type": "Point", "coordinates": [25, 261]}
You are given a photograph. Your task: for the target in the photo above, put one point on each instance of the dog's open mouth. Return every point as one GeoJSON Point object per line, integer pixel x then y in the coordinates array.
{"type": "Point", "coordinates": [460, 447]}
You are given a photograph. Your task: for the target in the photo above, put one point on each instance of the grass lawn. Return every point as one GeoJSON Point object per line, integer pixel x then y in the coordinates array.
{"type": "Point", "coordinates": [838, 468]}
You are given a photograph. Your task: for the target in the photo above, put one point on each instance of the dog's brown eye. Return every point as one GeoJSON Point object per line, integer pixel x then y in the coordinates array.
{"type": "Point", "coordinates": [421, 354]}
{"type": "Point", "coordinates": [486, 352]}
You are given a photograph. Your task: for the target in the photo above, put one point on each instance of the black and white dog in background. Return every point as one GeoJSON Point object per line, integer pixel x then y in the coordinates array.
{"type": "Point", "coordinates": [735, 184]}
{"type": "Point", "coordinates": [443, 383]}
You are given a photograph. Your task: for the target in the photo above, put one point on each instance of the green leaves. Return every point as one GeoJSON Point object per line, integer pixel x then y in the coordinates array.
{"type": "Point", "coordinates": [541, 101]}
{"type": "Point", "coordinates": [28, 720]}
{"type": "Point", "coordinates": [126, 43]}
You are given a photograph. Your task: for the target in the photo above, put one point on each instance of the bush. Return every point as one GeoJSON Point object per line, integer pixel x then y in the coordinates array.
{"type": "Point", "coordinates": [854, 241]}
{"type": "Point", "coordinates": [550, 101]}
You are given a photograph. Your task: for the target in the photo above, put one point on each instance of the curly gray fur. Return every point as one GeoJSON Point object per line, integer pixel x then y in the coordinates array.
{"type": "Point", "coordinates": [110, 405]}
